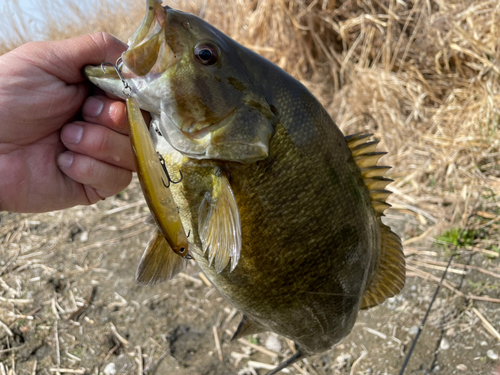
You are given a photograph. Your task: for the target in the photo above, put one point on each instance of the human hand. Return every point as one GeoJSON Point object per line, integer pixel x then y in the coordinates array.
{"type": "Point", "coordinates": [49, 161]}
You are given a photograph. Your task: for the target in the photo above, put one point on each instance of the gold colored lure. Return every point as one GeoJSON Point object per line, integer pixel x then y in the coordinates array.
{"type": "Point", "coordinates": [153, 182]}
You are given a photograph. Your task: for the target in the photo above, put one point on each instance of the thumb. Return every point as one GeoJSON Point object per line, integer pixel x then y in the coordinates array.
{"type": "Point", "coordinates": [66, 58]}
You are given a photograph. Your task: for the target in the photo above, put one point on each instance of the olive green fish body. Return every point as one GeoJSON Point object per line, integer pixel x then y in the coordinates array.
{"type": "Point", "coordinates": [310, 238]}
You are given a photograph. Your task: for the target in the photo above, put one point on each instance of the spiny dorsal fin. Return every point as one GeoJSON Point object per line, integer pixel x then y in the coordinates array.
{"type": "Point", "coordinates": [366, 156]}
{"type": "Point", "coordinates": [356, 139]}
{"type": "Point", "coordinates": [389, 278]}
{"type": "Point", "coordinates": [374, 171]}
{"type": "Point", "coordinates": [247, 327]}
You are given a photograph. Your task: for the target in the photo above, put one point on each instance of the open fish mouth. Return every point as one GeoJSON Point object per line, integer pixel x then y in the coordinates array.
{"type": "Point", "coordinates": [149, 51]}
{"type": "Point", "coordinates": [148, 55]}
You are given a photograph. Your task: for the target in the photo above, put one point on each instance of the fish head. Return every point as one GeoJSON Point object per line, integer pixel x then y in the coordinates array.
{"type": "Point", "coordinates": [195, 80]}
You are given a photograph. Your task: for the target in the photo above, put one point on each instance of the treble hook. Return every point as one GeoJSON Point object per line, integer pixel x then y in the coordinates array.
{"type": "Point", "coordinates": [127, 90]}
{"type": "Point", "coordinates": [163, 165]}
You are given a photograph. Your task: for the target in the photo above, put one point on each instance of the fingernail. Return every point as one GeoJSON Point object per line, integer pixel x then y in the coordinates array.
{"type": "Point", "coordinates": [72, 133]}
{"type": "Point", "coordinates": [92, 107]}
{"type": "Point", "coordinates": [65, 160]}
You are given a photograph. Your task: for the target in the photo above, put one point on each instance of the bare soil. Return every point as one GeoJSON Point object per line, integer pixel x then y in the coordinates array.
{"type": "Point", "coordinates": [69, 304]}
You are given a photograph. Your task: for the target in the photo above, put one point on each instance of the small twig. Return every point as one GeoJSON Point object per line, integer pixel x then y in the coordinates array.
{"type": "Point", "coordinates": [113, 240]}
{"type": "Point", "coordinates": [311, 369]}
{"type": "Point", "coordinates": [297, 367]}
{"type": "Point", "coordinates": [54, 308]}
{"type": "Point", "coordinates": [259, 348]}
{"type": "Point", "coordinates": [73, 357]}
{"type": "Point", "coordinates": [12, 349]}
{"type": "Point", "coordinates": [190, 278]}
{"type": "Point", "coordinates": [265, 366]}
{"type": "Point", "coordinates": [436, 267]}
{"type": "Point", "coordinates": [418, 238]}
{"type": "Point", "coordinates": [119, 337]}
{"type": "Point", "coordinates": [238, 357]}
{"type": "Point", "coordinates": [291, 345]}
{"type": "Point", "coordinates": [113, 349]}
{"type": "Point", "coordinates": [11, 260]}
{"type": "Point", "coordinates": [33, 371]}
{"type": "Point", "coordinates": [67, 370]}
{"type": "Point", "coordinates": [230, 317]}
{"type": "Point", "coordinates": [76, 315]}
{"type": "Point", "coordinates": [16, 301]}
{"type": "Point", "coordinates": [484, 251]}
{"type": "Point", "coordinates": [155, 363]}
{"type": "Point", "coordinates": [58, 354]}
{"type": "Point", "coordinates": [217, 343]}
{"type": "Point", "coordinates": [428, 276]}
{"type": "Point", "coordinates": [138, 360]}
{"type": "Point", "coordinates": [483, 298]}
{"type": "Point", "coordinates": [125, 207]}
{"type": "Point", "coordinates": [376, 333]}
{"type": "Point", "coordinates": [6, 328]}
{"type": "Point", "coordinates": [356, 362]}
{"type": "Point", "coordinates": [466, 266]}
{"type": "Point", "coordinates": [487, 324]}
{"type": "Point", "coordinates": [202, 276]}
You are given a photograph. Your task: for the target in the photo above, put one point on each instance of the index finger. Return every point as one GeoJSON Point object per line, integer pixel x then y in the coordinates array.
{"type": "Point", "coordinates": [65, 59]}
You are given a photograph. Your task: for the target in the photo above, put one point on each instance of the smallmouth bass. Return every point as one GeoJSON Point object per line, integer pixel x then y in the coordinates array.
{"type": "Point", "coordinates": [271, 186]}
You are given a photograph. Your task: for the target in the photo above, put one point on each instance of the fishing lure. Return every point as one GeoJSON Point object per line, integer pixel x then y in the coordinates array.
{"type": "Point", "coordinates": [167, 253]}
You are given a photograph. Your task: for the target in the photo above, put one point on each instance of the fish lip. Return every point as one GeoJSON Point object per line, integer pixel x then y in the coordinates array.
{"type": "Point", "coordinates": [100, 71]}
{"type": "Point", "coordinates": [105, 78]}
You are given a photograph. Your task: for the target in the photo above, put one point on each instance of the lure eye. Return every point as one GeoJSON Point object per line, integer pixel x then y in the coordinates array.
{"type": "Point", "coordinates": [182, 250]}
{"type": "Point", "coordinates": [207, 54]}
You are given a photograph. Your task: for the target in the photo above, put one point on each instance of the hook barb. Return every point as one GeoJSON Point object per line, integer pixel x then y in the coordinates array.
{"type": "Point", "coordinates": [164, 166]}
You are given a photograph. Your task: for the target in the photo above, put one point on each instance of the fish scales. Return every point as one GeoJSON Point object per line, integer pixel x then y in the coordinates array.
{"type": "Point", "coordinates": [270, 183]}
{"type": "Point", "coordinates": [325, 223]}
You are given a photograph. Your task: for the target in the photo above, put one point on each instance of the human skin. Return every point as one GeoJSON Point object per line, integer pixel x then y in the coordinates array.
{"type": "Point", "coordinates": [49, 160]}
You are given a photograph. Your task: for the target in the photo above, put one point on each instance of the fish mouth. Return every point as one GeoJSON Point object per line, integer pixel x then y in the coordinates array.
{"type": "Point", "coordinates": [148, 53]}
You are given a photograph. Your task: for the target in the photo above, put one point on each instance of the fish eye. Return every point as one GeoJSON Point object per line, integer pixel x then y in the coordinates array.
{"type": "Point", "coordinates": [207, 54]}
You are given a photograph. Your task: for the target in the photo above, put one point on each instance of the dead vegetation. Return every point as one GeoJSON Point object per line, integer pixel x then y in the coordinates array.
{"type": "Point", "coordinates": [421, 75]}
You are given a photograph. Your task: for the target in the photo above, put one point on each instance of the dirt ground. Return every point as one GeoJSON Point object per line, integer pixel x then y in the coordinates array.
{"type": "Point", "coordinates": [69, 305]}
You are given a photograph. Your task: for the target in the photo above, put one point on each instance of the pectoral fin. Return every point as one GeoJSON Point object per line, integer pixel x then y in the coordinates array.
{"type": "Point", "coordinates": [158, 263]}
{"type": "Point", "coordinates": [219, 224]}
